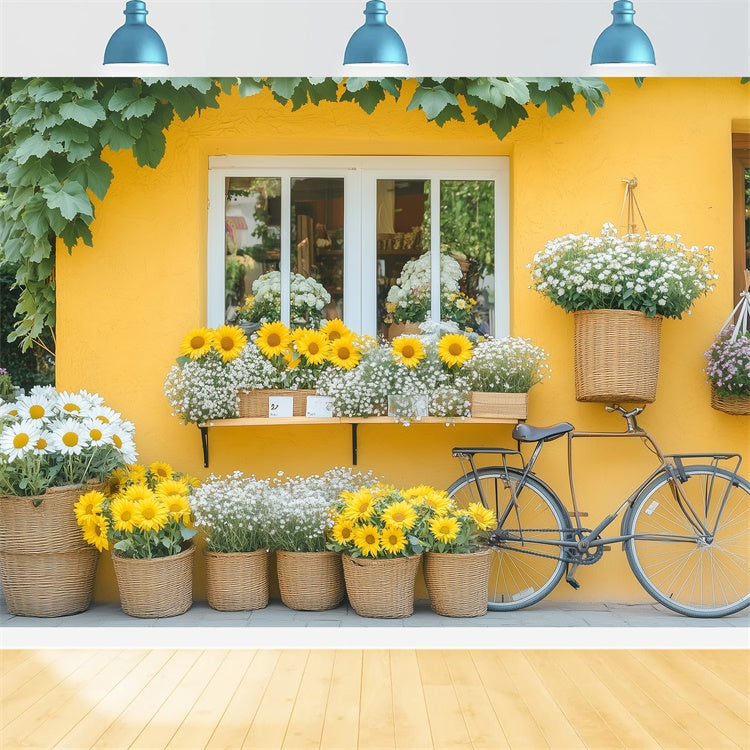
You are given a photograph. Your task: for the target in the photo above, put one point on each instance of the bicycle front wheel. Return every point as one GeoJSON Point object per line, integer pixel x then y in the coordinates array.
{"type": "Point", "coordinates": [692, 553]}
{"type": "Point", "coordinates": [528, 561]}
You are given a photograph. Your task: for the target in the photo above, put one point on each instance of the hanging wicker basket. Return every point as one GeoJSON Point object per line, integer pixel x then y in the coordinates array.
{"type": "Point", "coordinates": [381, 587]}
{"type": "Point", "coordinates": [237, 581]}
{"type": "Point", "coordinates": [457, 584]}
{"type": "Point", "coordinates": [739, 405]}
{"type": "Point", "coordinates": [310, 581]}
{"type": "Point", "coordinates": [616, 356]}
{"type": "Point", "coordinates": [254, 403]}
{"type": "Point", "coordinates": [160, 587]}
{"type": "Point", "coordinates": [46, 568]}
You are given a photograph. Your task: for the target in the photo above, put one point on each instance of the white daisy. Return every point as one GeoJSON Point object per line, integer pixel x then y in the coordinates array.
{"type": "Point", "coordinates": [124, 442]}
{"type": "Point", "coordinates": [17, 440]}
{"type": "Point", "coordinates": [68, 436]}
{"type": "Point", "coordinates": [34, 408]}
{"type": "Point", "coordinates": [71, 403]}
{"type": "Point", "coordinates": [42, 443]}
{"type": "Point", "coordinates": [105, 415]}
{"type": "Point", "coordinates": [98, 433]}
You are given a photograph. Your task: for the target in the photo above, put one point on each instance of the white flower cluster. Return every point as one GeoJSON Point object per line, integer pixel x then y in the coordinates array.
{"type": "Point", "coordinates": [252, 369]}
{"type": "Point", "coordinates": [655, 274]}
{"type": "Point", "coordinates": [39, 430]}
{"type": "Point", "coordinates": [507, 365]}
{"type": "Point", "coordinates": [308, 297]}
{"type": "Point", "coordinates": [414, 280]}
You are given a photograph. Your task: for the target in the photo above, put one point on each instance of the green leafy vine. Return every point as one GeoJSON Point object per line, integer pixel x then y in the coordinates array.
{"type": "Point", "coordinates": [53, 132]}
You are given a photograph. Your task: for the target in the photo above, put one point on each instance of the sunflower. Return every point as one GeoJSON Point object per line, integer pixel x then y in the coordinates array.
{"type": "Point", "coordinates": [171, 487]}
{"type": "Point", "coordinates": [407, 350]}
{"type": "Point", "coordinates": [415, 494]}
{"type": "Point", "coordinates": [123, 514]}
{"type": "Point", "coordinates": [359, 506]}
{"type": "Point", "coordinates": [445, 528]}
{"type": "Point", "coordinates": [401, 515]}
{"type": "Point", "coordinates": [393, 539]}
{"type": "Point", "coordinates": [177, 507]}
{"type": "Point", "coordinates": [291, 360]}
{"type": "Point", "coordinates": [273, 339]}
{"type": "Point", "coordinates": [335, 329]}
{"type": "Point", "coordinates": [95, 532]}
{"type": "Point", "coordinates": [314, 347]}
{"type": "Point", "coordinates": [136, 473]}
{"type": "Point", "coordinates": [229, 341]}
{"type": "Point", "coordinates": [197, 343]}
{"type": "Point", "coordinates": [454, 349]}
{"type": "Point", "coordinates": [438, 501]}
{"type": "Point", "coordinates": [161, 470]}
{"type": "Point", "coordinates": [115, 481]}
{"type": "Point", "coordinates": [483, 517]}
{"type": "Point", "coordinates": [138, 493]}
{"type": "Point", "coordinates": [342, 531]}
{"type": "Point", "coordinates": [367, 540]}
{"type": "Point", "coordinates": [88, 507]}
{"type": "Point", "coordinates": [344, 353]}
{"type": "Point", "coordinates": [151, 514]}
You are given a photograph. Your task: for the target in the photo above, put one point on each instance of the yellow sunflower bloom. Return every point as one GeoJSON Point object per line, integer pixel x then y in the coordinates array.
{"type": "Point", "coordinates": [151, 514]}
{"type": "Point", "coordinates": [115, 481]}
{"type": "Point", "coordinates": [177, 506]}
{"type": "Point", "coordinates": [416, 493]}
{"type": "Point", "coordinates": [136, 473]}
{"type": "Point", "coordinates": [172, 487]}
{"type": "Point", "coordinates": [335, 329]}
{"type": "Point", "coordinates": [314, 347]}
{"type": "Point", "coordinates": [438, 501]}
{"type": "Point", "coordinates": [273, 339]}
{"type": "Point", "coordinates": [359, 507]}
{"type": "Point", "coordinates": [137, 493]}
{"type": "Point", "coordinates": [454, 349]}
{"type": "Point", "coordinates": [344, 353]}
{"type": "Point", "coordinates": [342, 531]}
{"type": "Point", "coordinates": [229, 341]}
{"type": "Point", "coordinates": [367, 540]}
{"type": "Point", "coordinates": [161, 470]}
{"type": "Point", "coordinates": [483, 517]}
{"type": "Point", "coordinates": [123, 514]}
{"type": "Point", "coordinates": [290, 360]}
{"type": "Point", "coordinates": [88, 507]}
{"type": "Point", "coordinates": [400, 514]}
{"type": "Point", "coordinates": [407, 350]}
{"type": "Point", "coordinates": [445, 528]}
{"type": "Point", "coordinates": [95, 532]}
{"type": "Point", "coordinates": [393, 539]}
{"type": "Point", "coordinates": [197, 343]}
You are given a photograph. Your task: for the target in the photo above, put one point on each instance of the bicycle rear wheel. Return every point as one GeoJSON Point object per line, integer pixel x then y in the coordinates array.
{"type": "Point", "coordinates": [527, 563]}
{"type": "Point", "coordinates": [694, 572]}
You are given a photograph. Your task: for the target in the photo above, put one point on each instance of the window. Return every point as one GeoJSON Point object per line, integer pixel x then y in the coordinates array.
{"type": "Point", "coordinates": [741, 191]}
{"type": "Point", "coordinates": [331, 237]}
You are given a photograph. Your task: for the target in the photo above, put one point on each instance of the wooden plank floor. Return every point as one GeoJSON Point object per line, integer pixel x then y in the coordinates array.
{"type": "Point", "coordinates": [374, 699]}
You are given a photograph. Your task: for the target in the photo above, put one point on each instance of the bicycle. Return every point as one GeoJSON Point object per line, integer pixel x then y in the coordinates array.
{"type": "Point", "coordinates": [685, 528]}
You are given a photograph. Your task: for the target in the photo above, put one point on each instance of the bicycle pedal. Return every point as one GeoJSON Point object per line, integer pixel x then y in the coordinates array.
{"type": "Point", "coordinates": [572, 581]}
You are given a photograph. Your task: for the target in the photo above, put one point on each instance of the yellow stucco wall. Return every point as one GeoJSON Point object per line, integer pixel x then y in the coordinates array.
{"type": "Point", "coordinates": [124, 306]}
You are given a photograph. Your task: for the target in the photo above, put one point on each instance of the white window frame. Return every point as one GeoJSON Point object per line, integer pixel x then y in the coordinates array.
{"type": "Point", "coordinates": [360, 174]}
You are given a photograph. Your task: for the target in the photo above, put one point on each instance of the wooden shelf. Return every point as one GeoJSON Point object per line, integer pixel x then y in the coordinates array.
{"type": "Point", "coordinates": [354, 422]}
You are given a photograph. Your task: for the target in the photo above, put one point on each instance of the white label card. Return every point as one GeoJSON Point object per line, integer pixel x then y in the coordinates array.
{"type": "Point", "coordinates": [280, 406]}
{"type": "Point", "coordinates": [320, 407]}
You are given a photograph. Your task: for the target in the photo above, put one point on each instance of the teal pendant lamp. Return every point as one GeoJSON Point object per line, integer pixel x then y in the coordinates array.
{"type": "Point", "coordinates": [623, 43]}
{"type": "Point", "coordinates": [135, 41]}
{"type": "Point", "coordinates": [375, 43]}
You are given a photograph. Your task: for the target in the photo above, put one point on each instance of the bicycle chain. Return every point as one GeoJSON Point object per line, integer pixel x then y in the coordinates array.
{"type": "Point", "coordinates": [590, 560]}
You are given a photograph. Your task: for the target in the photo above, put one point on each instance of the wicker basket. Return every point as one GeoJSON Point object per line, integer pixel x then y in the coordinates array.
{"type": "Point", "coordinates": [499, 405]}
{"type": "Point", "coordinates": [403, 329]}
{"type": "Point", "coordinates": [310, 581]}
{"type": "Point", "coordinates": [381, 587]}
{"type": "Point", "coordinates": [730, 404]}
{"type": "Point", "coordinates": [237, 581]}
{"type": "Point", "coordinates": [457, 584]}
{"type": "Point", "coordinates": [46, 568]}
{"type": "Point", "coordinates": [161, 587]}
{"type": "Point", "coordinates": [255, 403]}
{"type": "Point", "coordinates": [616, 356]}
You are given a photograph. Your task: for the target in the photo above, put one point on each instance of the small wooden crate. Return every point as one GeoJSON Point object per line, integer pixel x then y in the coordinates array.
{"type": "Point", "coordinates": [499, 405]}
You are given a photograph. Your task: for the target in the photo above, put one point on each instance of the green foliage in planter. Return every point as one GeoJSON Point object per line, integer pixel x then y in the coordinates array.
{"type": "Point", "coordinates": [53, 132]}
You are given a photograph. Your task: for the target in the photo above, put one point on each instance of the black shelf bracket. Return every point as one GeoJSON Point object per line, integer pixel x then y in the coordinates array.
{"type": "Point", "coordinates": [354, 443]}
{"type": "Point", "coordinates": [204, 444]}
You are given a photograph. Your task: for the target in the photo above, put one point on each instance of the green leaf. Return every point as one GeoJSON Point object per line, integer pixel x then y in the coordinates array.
{"type": "Point", "coordinates": [432, 101]}
{"type": "Point", "coordinates": [250, 86]}
{"type": "Point", "coordinates": [124, 97]}
{"type": "Point", "coordinates": [94, 174]}
{"type": "Point", "coordinates": [86, 112]}
{"type": "Point", "coordinates": [367, 97]}
{"type": "Point", "coordinates": [35, 217]}
{"type": "Point", "coordinates": [71, 199]}
{"type": "Point", "coordinates": [283, 88]}
{"type": "Point", "coordinates": [44, 90]}
{"type": "Point", "coordinates": [139, 108]}
{"type": "Point", "coordinates": [35, 145]}
{"type": "Point", "coordinates": [117, 135]}
{"type": "Point", "coordinates": [150, 147]}
{"type": "Point", "coordinates": [35, 172]}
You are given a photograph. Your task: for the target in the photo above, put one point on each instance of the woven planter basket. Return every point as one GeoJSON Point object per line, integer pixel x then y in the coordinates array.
{"type": "Point", "coordinates": [255, 403]}
{"type": "Point", "coordinates": [457, 584]}
{"type": "Point", "coordinates": [161, 587]}
{"type": "Point", "coordinates": [403, 329]}
{"type": "Point", "coordinates": [46, 568]}
{"type": "Point", "coordinates": [616, 356]}
{"type": "Point", "coordinates": [499, 405]}
{"type": "Point", "coordinates": [730, 404]}
{"type": "Point", "coordinates": [237, 581]}
{"type": "Point", "coordinates": [310, 581]}
{"type": "Point", "coordinates": [381, 587]}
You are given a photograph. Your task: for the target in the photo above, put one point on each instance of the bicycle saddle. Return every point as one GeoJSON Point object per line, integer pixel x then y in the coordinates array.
{"type": "Point", "coordinates": [525, 433]}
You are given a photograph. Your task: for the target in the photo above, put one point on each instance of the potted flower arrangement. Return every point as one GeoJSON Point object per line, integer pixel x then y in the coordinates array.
{"type": "Point", "coordinates": [52, 445]}
{"type": "Point", "coordinates": [233, 512]}
{"type": "Point", "coordinates": [619, 289]}
{"type": "Point", "coordinates": [500, 374]}
{"type": "Point", "coordinates": [145, 516]}
{"type": "Point", "coordinates": [457, 561]}
{"type": "Point", "coordinates": [728, 371]}
{"type": "Point", "coordinates": [381, 533]}
{"type": "Point", "coordinates": [310, 575]}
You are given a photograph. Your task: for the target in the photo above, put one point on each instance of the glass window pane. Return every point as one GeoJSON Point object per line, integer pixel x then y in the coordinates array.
{"type": "Point", "coordinates": [403, 252]}
{"type": "Point", "coordinates": [467, 244]}
{"type": "Point", "coordinates": [317, 248]}
{"type": "Point", "coordinates": [252, 247]}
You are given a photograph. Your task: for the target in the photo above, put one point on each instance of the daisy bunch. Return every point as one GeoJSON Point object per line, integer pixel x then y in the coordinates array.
{"type": "Point", "coordinates": [144, 512]}
{"type": "Point", "coordinates": [728, 363]}
{"type": "Point", "coordinates": [51, 439]}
